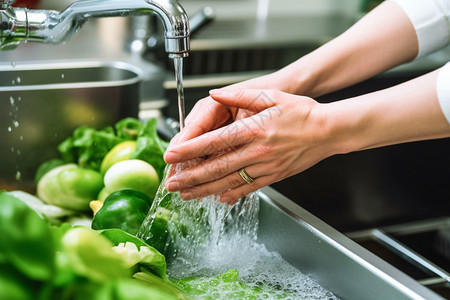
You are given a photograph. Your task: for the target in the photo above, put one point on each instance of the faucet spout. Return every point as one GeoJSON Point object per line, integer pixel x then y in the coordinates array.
{"type": "Point", "coordinates": [21, 24]}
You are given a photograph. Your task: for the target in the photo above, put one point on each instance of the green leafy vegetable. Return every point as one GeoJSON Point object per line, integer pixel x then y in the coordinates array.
{"type": "Point", "coordinates": [166, 286]}
{"type": "Point", "coordinates": [87, 147]}
{"type": "Point", "coordinates": [40, 261]}
{"type": "Point", "coordinates": [128, 128]}
{"type": "Point", "coordinates": [150, 147]}
{"type": "Point", "coordinates": [26, 240]}
{"type": "Point", "coordinates": [228, 286]}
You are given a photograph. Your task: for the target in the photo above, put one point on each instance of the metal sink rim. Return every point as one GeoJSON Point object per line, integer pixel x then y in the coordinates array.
{"type": "Point", "coordinates": [65, 65]}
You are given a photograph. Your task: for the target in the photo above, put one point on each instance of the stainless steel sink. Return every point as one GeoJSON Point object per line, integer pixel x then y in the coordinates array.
{"type": "Point", "coordinates": [46, 91]}
{"type": "Point", "coordinates": [328, 257]}
{"type": "Point", "coordinates": [42, 103]}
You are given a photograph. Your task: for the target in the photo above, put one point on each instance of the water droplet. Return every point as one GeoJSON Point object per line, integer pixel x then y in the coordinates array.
{"type": "Point", "coordinates": [18, 175]}
{"type": "Point", "coordinates": [18, 152]}
{"type": "Point", "coordinates": [11, 100]}
{"type": "Point", "coordinates": [13, 82]}
{"type": "Point", "coordinates": [19, 98]}
{"type": "Point", "coordinates": [62, 76]}
{"type": "Point", "coordinates": [18, 79]}
{"type": "Point", "coordinates": [13, 63]}
{"type": "Point", "coordinates": [21, 138]}
{"type": "Point", "coordinates": [16, 123]}
{"type": "Point", "coordinates": [9, 129]}
{"type": "Point", "coordinates": [12, 149]}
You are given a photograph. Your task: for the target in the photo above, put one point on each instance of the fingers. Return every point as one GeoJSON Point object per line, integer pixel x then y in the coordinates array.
{"type": "Point", "coordinates": [212, 169]}
{"type": "Point", "coordinates": [233, 196]}
{"type": "Point", "coordinates": [205, 116]}
{"type": "Point", "coordinates": [226, 183]}
{"type": "Point", "coordinates": [197, 139]}
{"type": "Point", "coordinates": [238, 133]}
{"type": "Point", "coordinates": [231, 187]}
{"type": "Point", "coordinates": [253, 100]}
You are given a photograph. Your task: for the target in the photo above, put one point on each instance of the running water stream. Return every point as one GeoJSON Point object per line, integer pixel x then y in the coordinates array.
{"type": "Point", "coordinates": [178, 64]}
{"type": "Point", "coordinates": [204, 238]}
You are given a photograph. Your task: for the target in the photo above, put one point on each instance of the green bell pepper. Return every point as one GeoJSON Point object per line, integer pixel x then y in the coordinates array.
{"type": "Point", "coordinates": [124, 209]}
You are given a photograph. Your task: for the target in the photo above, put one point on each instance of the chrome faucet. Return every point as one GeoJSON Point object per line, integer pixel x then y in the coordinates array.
{"type": "Point", "coordinates": [49, 26]}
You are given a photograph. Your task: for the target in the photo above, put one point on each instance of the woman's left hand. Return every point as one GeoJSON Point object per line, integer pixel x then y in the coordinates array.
{"type": "Point", "coordinates": [286, 135]}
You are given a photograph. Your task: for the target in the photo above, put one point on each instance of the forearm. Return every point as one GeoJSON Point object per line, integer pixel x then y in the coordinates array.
{"type": "Point", "coordinates": [404, 113]}
{"type": "Point", "coordinates": [382, 39]}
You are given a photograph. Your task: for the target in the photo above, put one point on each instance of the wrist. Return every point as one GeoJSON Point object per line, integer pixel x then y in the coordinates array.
{"type": "Point", "coordinates": [298, 78]}
{"type": "Point", "coordinates": [345, 125]}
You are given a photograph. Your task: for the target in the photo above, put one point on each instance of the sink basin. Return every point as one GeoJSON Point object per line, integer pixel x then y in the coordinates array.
{"type": "Point", "coordinates": [41, 103]}
{"type": "Point", "coordinates": [328, 257]}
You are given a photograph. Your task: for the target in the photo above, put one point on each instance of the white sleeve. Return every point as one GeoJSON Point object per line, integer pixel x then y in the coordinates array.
{"type": "Point", "coordinates": [443, 90]}
{"type": "Point", "coordinates": [431, 20]}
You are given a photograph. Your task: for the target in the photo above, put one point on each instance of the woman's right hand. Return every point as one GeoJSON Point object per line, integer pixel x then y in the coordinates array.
{"type": "Point", "coordinates": [208, 114]}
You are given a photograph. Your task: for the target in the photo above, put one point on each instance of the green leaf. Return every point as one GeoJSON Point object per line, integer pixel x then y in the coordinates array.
{"type": "Point", "coordinates": [128, 128]}
{"type": "Point", "coordinates": [26, 240]}
{"type": "Point", "coordinates": [150, 147]}
{"type": "Point", "coordinates": [88, 146]}
{"type": "Point", "coordinates": [162, 285]}
{"type": "Point", "coordinates": [14, 286]}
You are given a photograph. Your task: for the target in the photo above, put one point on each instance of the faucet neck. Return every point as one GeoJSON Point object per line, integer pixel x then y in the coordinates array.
{"type": "Point", "coordinates": [54, 27]}
{"type": "Point", "coordinates": [172, 15]}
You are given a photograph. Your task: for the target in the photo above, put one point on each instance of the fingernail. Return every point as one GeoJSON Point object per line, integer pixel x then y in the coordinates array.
{"type": "Point", "coordinates": [219, 93]}
{"type": "Point", "coordinates": [170, 157]}
{"type": "Point", "coordinates": [172, 186]}
{"type": "Point", "coordinates": [215, 92]}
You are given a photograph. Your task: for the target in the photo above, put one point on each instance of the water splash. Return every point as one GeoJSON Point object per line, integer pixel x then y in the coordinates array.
{"type": "Point", "coordinates": [206, 238]}
{"type": "Point", "coordinates": [12, 128]}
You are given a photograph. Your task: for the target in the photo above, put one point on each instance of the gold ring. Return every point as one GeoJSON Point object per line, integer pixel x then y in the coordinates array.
{"type": "Point", "coordinates": [245, 176]}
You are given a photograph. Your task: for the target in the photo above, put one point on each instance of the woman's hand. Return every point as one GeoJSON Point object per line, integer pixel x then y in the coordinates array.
{"type": "Point", "coordinates": [281, 135]}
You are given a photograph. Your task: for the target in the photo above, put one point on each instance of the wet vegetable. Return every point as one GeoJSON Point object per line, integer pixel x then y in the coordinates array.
{"type": "Point", "coordinates": [124, 209]}
{"type": "Point", "coordinates": [41, 261]}
{"type": "Point", "coordinates": [87, 147]}
{"type": "Point", "coordinates": [119, 152]}
{"type": "Point", "coordinates": [51, 212]}
{"type": "Point", "coordinates": [70, 186]}
{"type": "Point", "coordinates": [132, 174]}
{"type": "Point", "coordinates": [159, 229]}
{"type": "Point", "coordinates": [150, 147]}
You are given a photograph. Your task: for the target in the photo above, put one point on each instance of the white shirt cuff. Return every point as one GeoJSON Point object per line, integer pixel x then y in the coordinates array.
{"type": "Point", "coordinates": [443, 90]}
{"type": "Point", "coordinates": [431, 20]}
